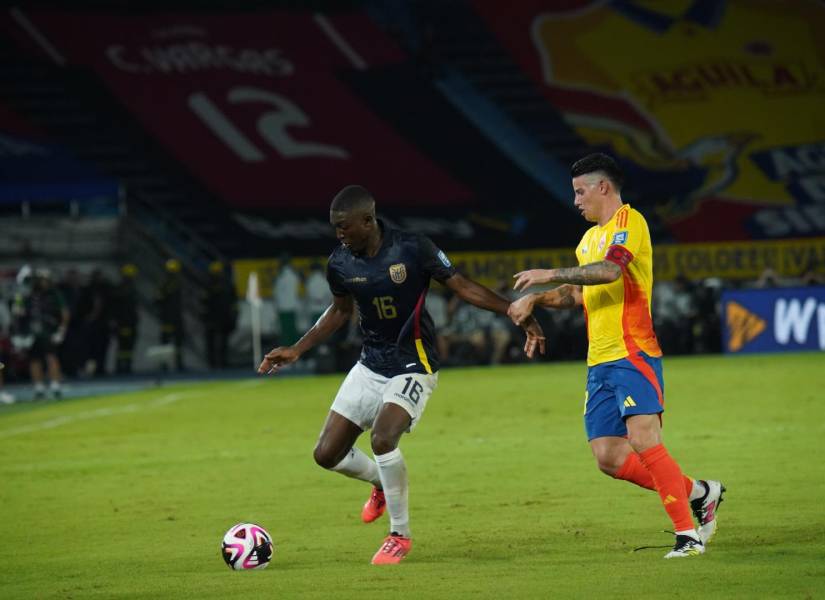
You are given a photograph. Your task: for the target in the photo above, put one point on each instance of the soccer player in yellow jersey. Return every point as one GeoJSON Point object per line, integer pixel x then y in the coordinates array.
{"type": "Point", "coordinates": [624, 399]}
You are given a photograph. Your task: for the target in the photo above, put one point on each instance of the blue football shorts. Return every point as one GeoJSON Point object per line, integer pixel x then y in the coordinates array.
{"type": "Point", "coordinates": [619, 389]}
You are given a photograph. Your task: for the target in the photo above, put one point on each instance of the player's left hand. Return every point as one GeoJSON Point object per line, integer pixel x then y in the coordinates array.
{"type": "Point", "coordinates": [535, 337]}
{"type": "Point", "coordinates": [526, 279]}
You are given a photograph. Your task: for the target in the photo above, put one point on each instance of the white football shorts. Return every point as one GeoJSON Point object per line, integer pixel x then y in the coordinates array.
{"type": "Point", "coordinates": [364, 392]}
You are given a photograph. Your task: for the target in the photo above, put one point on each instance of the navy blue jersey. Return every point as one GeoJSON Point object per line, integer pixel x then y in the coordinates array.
{"type": "Point", "coordinates": [389, 289]}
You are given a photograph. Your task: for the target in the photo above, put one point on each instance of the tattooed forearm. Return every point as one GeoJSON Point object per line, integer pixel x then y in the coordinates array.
{"type": "Point", "coordinates": [592, 274]}
{"type": "Point", "coordinates": [564, 296]}
{"type": "Point", "coordinates": [566, 299]}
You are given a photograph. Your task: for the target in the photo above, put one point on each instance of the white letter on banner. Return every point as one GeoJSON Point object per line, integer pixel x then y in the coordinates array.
{"type": "Point", "coordinates": [787, 316]}
{"type": "Point", "coordinates": [273, 125]}
{"type": "Point", "coordinates": [821, 314]}
{"type": "Point", "coordinates": [115, 55]}
{"type": "Point", "coordinates": [222, 127]}
{"type": "Point", "coordinates": [784, 164]}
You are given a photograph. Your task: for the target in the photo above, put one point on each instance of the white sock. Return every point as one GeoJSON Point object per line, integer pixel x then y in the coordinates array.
{"type": "Point", "coordinates": [394, 480]}
{"type": "Point", "coordinates": [698, 491]}
{"type": "Point", "coordinates": [358, 465]}
{"type": "Point", "coordinates": [690, 533]}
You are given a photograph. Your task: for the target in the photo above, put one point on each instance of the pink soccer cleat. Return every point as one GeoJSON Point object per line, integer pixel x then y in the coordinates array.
{"type": "Point", "coordinates": [374, 507]}
{"type": "Point", "coordinates": [393, 550]}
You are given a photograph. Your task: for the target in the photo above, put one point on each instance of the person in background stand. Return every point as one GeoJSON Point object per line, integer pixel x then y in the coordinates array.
{"type": "Point", "coordinates": [438, 307]}
{"type": "Point", "coordinates": [124, 313]}
{"type": "Point", "coordinates": [169, 303]}
{"type": "Point", "coordinates": [5, 329]}
{"type": "Point", "coordinates": [220, 314]}
{"type": "Point", "coordinates": [74, 349]}
{"type": "Point", "coordinates": [285, 294]}
{"type": "Point", "coordinates": [318, 296]}
{"type": "Point", "coordinates": [95, 300]}
{"type": "Point", "coordinates": [41, 319]}
{"type": "Point", "coordinates": [317, 299]}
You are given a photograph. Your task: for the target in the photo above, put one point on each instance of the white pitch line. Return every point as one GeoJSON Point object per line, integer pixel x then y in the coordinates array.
{"type": "Point", "coordinates": [339, 41]}
{"type": "Point", "coordinates": [91, 414]}
{"type": "Point", "coordinates": [251, 383]}
{"type": "Point", "coordinates": [58, 421]}
{"type": "Point", "coordinates": [37, 36]}
{"type": "Point", "coordinates": [167, 399]}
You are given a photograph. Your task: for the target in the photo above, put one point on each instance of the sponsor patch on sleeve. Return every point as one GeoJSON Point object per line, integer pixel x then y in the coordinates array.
{"type": "Point", "coordinates": [444, 260]}
{"type": "Point", "coordinates": [620, 237]}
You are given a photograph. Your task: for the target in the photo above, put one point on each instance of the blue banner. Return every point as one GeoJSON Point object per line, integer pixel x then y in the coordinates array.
{"type": "Point", "coordinates": [41, 172]}
{"type": "Point", "coordinates": [774, 320]}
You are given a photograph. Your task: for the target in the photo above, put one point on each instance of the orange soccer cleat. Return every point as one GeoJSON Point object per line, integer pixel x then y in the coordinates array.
{"type": "Point", "coordinates": [393, 550]}
{"type": "Point", "coordinates": [374, 507]}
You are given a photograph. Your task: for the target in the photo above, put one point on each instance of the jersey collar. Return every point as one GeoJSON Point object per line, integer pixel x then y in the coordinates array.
{"type": "Point", "coordinates": [613, 216]}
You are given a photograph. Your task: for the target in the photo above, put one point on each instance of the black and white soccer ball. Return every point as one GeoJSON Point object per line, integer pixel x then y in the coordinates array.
{"type": "Point", "coordinates": [247, 546]}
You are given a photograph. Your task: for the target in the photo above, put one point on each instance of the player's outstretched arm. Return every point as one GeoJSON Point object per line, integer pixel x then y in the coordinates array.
{"type": "Point", "coordinates": [478, 295]}
{"type": "Point", "coordinates": [595, 273]}
{"type": "Point", "coordinates": [334, 317]}
{"type": "Point", "coordinates": [564, 296]}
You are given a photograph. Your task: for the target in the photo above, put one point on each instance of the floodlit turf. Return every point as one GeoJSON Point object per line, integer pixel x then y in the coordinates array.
{"type": "Point", "coordinates": [128, 496]}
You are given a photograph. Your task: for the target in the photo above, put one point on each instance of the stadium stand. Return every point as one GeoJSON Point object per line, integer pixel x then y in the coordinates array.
{"type": "Point", "coordinates": [193, 135]}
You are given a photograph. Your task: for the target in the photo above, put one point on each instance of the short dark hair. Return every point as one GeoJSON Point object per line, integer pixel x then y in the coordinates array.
{"type": "Point", "coordinates": [599, 163]}
{"type": "Point", "coordinates": [351, 199]}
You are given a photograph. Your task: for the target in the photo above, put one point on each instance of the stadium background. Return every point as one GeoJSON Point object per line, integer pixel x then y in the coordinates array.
{"type": "Point", "coordinates": [206, 133]}
{"type": "Point", "coordinates": [216, 133]}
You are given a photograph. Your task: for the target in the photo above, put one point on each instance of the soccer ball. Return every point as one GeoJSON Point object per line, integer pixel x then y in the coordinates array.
{"type": "Point", "coordinates": [247, 546]}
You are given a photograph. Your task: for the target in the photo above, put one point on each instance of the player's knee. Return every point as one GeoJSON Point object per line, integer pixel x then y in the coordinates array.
{"type": "Point", "coordinates": [644, 432]}
{"type": "Point", "coordinates": [324, 456]}
{"type": "Point", "coordinates": [608, 467]}
{"type": "Point", "coordinates": [382, 443]}
{"type": "Point", "coordinates": [643, 440]}
{"type": "Point", "coordinates": [608, 463]}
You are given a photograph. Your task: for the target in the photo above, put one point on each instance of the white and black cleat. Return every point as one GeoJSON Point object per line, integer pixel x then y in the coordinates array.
{"type": "Point", "coordinates": [706, 508]}
{"type": "Point", "coordinates": [686, 546]}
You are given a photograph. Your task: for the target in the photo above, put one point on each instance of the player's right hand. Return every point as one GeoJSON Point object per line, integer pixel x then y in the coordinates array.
{"type": "Point", "coordinates": [520, 310]}
{"type": "Point", "coordinates": [277, 358]}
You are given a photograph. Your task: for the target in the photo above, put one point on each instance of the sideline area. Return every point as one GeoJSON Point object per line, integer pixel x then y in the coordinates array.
{"type": "Point", "coordinates": [83, 388]}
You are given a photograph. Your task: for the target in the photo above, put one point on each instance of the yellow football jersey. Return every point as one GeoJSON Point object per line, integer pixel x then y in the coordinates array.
{"type": "Point", "coordinates": [618, 313]}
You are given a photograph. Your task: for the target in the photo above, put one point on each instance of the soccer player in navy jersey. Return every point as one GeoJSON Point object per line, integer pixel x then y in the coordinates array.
{"type": "Point", "coordinates": [385, 273]}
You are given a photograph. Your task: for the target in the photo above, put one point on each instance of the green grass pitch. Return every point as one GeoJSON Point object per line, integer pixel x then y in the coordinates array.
{"type": "Point", "coordinates": [128, 496]}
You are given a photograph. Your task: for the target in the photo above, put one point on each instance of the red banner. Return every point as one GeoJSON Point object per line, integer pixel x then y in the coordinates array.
{"type": "Point", "coordinates": [251, 103]}
{"type": "Point", "coordinates": [12, 123]}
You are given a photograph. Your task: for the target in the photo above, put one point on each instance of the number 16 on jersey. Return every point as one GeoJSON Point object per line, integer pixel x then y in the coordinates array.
{"type": "Point", "coordinates": [385, 307]}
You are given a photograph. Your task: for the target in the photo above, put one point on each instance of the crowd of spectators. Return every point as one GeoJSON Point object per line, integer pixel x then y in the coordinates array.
{"type": "Point", "coordinates": [85, 325]}
{"type": "Point", "coordinates": [55, 327]}
{"type": "Point", "coordinates": [686, 315]}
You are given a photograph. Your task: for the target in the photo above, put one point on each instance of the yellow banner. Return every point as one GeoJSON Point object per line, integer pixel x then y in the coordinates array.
{"type": "Point", "coordinates": [488, 268]}
{"type": "Point", "coordinates": [729, 260]}
{"type": "Point", "coordinates": [738, 260]}
{"type": "Point", "coordinates": [724, 98]}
